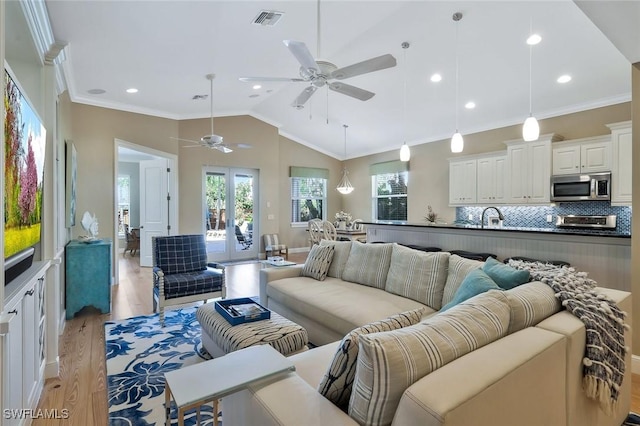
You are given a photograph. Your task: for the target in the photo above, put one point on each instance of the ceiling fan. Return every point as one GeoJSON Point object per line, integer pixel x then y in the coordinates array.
{"type": "Point", "coordinates": [321, 73]}
{"type": "Point", "coordinates": [212, 140]}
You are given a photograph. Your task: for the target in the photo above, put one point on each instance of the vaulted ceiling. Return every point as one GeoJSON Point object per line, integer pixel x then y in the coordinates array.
{"type": "Point", "coordinates": [165, 49]}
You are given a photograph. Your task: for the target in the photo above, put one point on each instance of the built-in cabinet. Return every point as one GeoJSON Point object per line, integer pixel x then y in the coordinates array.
{"type": "Point", "coordinates": [24, 356]}
{"type": "Point", "coordinates": [589, 155]}
{"type": "Point", "coordinates": [529, 170]}
{"type": "Point", "coordinates": [491, 175]}
{"type": "Point", "coordinates": [622, 163]}
{"type": "Point", "coordinates": [462, 181]}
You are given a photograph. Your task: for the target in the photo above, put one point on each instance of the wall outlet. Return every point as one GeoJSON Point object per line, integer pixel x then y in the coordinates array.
{"type": "Point", "coordinates": [470, 216]}
{"type": "Point", "coordinates": [549, 218]}
{"type": "Point", "coordinates": [271, 216]}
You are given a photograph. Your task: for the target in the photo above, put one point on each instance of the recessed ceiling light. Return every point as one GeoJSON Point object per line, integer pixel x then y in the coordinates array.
{"type": "Point", "coordinates": [96, 91]}
{"type": "Point", "coordinates": [436, 78]}
{"type": "Point", "coordinates": [534, 39]}
{"type": "Point", "coordinates": [470, 105]}
{"type": "Point", "coordinates": [132, 90]}
{"type": "Point", "coordinates": [257, 86]}
{"type": "Point", "coordinates": [564, 78]}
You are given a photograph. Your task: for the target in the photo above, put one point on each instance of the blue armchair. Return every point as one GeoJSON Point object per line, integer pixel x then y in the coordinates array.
{"type": "Point", "coordinates": [181, 273]}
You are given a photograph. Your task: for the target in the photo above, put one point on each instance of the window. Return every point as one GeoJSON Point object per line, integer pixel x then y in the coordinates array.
{"type": "Point", "coordinates": [124, 202]}
{"type": "Point", "coordinates": [389, 195]}
{"type": "Point", "coordinates": [308, 199]}
{"type": "Point", "coordinates": [308, 194]}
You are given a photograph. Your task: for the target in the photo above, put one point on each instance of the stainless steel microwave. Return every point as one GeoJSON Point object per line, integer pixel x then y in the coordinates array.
{"type": "Point", "coordinates": [581, 187]}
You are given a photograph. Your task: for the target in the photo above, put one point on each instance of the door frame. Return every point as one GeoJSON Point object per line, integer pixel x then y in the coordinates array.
{"type": "Point", "coordinates": [172, 161]}
{"type": "Point", "coordinates": [229, 254]}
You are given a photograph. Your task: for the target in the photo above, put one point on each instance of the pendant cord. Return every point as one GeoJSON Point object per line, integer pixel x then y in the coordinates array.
{"type": "Point", "coordinates": [404, 101]}
{"type": "Point", "coordinates": [457, 75]}
{"type": "Point", "coordinates": [345, 142]}
{"type": "Point", "coordinates": [530, 68]}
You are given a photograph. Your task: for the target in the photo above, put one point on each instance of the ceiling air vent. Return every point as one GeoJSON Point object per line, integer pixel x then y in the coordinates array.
{"type": "Point", "coordinates": [268, 18]}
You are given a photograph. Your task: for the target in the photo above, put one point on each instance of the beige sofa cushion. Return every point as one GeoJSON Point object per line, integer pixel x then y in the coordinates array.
{"type": "Point", "coordinates": [531, 303]}
{"type": "Point", "coordinates": [368, 264]}
{"type": "Point", "coordinates": [458, 269]}
{"type": "Point", "coordinates": [338, 380]}
{"type": "Point", "coordinates": [390, 362]}
{"type": "Point", "coordinates": [341, 250]}
{"type": "Point", "coordinates": [418, 275]}
{"type": "Point", "coordinates": [338, 305]}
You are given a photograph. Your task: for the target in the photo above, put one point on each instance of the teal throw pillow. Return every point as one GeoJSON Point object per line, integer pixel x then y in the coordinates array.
{"type": "Point", "coordinates": [507, 277]}
{"type": "Point", "coordinates": [476, 282]}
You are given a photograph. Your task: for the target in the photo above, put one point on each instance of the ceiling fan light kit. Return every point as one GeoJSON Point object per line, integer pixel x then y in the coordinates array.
{"type": "Point", "coordinates": [531, 128]}
{"type": "Point", "coordinates": [457, 142]}
{"type": "Point", "coordinates": [344, 186]}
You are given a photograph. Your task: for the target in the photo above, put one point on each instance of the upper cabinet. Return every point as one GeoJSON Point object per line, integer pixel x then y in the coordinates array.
{"type": "Point", "coordinates": [491, 187]}
{"type": "Point", "coordinates": [462, 181]}
{"type": "Point", "coordinates": [478, 179]}
{"type": "Point", "coordinates": [621, 163]}
{"type": "Point", "coordinates": [589, 155]}
{"type": "Point", "coordinates": [529, 170]}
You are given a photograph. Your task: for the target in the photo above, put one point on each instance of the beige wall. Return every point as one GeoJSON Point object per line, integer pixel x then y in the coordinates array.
{"type": "Point", "coordinates": [429, 177]}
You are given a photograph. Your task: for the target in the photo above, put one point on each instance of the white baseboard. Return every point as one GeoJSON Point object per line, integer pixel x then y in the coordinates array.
{"type": "Point", "coordinates": [52, 369]}
{"type": "Point", "coordinates": [635, 364]}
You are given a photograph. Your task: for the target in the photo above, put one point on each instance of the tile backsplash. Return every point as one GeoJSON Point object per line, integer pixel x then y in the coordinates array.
{"type": "Point", "coordinates": [536, 216]}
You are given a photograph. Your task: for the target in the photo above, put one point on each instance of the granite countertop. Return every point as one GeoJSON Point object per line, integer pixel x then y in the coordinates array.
{"type": "Point", "coordinates": [566, 231]}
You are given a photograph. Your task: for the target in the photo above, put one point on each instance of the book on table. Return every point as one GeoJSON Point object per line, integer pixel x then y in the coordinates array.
{"type": "Point", "coordinates": [246, 309]}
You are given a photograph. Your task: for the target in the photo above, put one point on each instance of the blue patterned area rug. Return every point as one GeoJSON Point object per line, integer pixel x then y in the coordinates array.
{"type": "Point", "coordinates": [138, 353]}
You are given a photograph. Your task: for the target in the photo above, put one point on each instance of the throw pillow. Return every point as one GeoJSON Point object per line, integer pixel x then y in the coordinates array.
{"type": "Point", "coordinates": [317, 263]}
{"type": "Point", "coordinates": [418, 275]}
{"type": "Point", "coordinates": [341, 251]}
{"type": "Point", "coordinates": [390, 362]}
{"type": "Point", "coordinates": [476, 282]}
{"type": "Point", "coordinates": [459, 267]}
{"type": "Point", "coordinates": [531, 303]}
{"type": "Point", "coordinates": [505, 276]}
{"type": "Point", "coordinates": [338, 380]}
{"type": "Point", "coordinates": [368, 264]}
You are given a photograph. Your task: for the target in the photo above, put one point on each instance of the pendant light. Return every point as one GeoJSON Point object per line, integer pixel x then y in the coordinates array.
{"type": "Point", "coordinates": [531, 129]}
{"type": "Point", "coordinates": [344, 186]}
{"type": "Point", "coordinates": [457, 143]}
{"type": "Point", "coordinates": [405, 152]}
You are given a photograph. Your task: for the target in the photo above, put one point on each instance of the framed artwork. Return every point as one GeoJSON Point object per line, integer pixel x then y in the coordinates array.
{"type": "Point", "coordinates": [71, 182]}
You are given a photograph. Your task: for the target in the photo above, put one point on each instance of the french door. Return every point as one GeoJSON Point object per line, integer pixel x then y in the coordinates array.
{"type": "Point", "coordinates": [231, 215]}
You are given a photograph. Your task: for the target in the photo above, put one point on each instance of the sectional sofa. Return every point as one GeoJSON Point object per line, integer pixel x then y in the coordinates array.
{"type": "Point", "coordinates": [503, 357]}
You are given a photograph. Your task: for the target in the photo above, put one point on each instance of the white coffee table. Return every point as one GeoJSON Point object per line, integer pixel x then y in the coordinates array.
{"type": "Point", "coordinates": [209, 381]}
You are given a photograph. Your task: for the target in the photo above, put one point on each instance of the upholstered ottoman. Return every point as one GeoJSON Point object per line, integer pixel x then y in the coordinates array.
{"type": "Point", "coordinates": [219, 337]}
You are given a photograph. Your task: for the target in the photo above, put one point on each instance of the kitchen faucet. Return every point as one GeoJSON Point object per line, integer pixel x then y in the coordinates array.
{"type": "Point", "coordinates": [500, 216]}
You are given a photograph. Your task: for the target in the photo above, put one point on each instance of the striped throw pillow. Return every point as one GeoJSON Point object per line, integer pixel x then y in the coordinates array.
{"type": "Point", "coordinates": [341, 251]}
{"type": "Point", "coordinates": [317, 263]}
{"type": "Point", "coordinates": [390, 362]}
{"type": "Point", "coordinates": [368, 264]}
{"type": "Point", "coordinates": [531, 303]}
{"type": "Point", "coordinates": [338, 380]}
{"type": "Point", "coordinates": [418, 275]}
{"type": "Point", "coordinates": [459, 267]}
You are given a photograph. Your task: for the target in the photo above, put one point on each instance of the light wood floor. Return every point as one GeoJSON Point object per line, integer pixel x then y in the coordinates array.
{"type": "Point", "coordinates": [81, 386]}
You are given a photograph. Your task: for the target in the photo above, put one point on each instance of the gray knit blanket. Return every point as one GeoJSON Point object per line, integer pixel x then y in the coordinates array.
{"type": "Point", "coordinates": [604, 356]}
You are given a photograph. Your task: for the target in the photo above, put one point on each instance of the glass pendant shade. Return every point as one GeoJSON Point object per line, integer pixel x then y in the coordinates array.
{"type": "Point", "coordinates": [344, 186]}
{"type": "Point", "coordinates": [457, 143]}
{"type": "Point", "coordinates": [530, 129]}
{"type": "Point", "coordinates": [405, 152]}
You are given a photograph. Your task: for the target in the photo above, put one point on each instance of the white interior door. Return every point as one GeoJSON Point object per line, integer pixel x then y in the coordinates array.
{"type": "Point", "coordinates": [230, 199]}
{"type": "Point", "coordinates": [154, 205]}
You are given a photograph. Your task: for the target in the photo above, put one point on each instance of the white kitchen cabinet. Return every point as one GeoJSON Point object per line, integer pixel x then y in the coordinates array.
{"type": "Point", "coordinates": [621, 165]}
{"type": "Point", "coordinates": [462, 181]}
{"type": "Point", "coordinates": [529, 170]}
{"type": "Point", "coordinates": [588, 155]}
{"type": "Point", "coordinates": [24, 355]}
{"type": "Point", "coordinates": [491, 174]}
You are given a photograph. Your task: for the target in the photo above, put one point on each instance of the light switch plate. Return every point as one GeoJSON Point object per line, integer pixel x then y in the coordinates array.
{"type": "Point", "coordinates": [549, 218]}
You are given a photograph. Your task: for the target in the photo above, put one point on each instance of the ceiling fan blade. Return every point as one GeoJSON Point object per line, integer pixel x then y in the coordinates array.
{"type": "Point", "coordinates": [303, 97]}
{"type": "Point", "coordinates": [353, 91]}
{"type": "Point", "coordinates": [252, 79]}
{"type": "Point", "coordinates": [198, 143]}
{"type": "Point", "coordinates": [241, 145]}
{"type": "Point", "coordinates": [302, 54]}
{"type": "Point", "coordinates": [225, 149]}
{"type": "Point", "coordinates": [370, 65]}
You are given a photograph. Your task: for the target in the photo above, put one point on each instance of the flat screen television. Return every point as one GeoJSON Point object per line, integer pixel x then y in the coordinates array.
{"type": "Point", "coordinates": [24, 143]}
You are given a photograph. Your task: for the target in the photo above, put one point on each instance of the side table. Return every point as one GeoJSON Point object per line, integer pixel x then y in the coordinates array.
{"type": "Point", "coordinates": [88, 276]}
{"type": "Point", "coordinates": [211, 380]}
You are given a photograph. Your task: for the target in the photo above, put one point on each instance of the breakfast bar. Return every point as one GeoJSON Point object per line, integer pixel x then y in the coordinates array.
{"type": "Point", "coordinates": [605, 255]}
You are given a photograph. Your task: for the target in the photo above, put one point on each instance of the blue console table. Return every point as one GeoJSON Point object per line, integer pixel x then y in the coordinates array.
{"type": "Point", "coordinates": [88, 269]}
